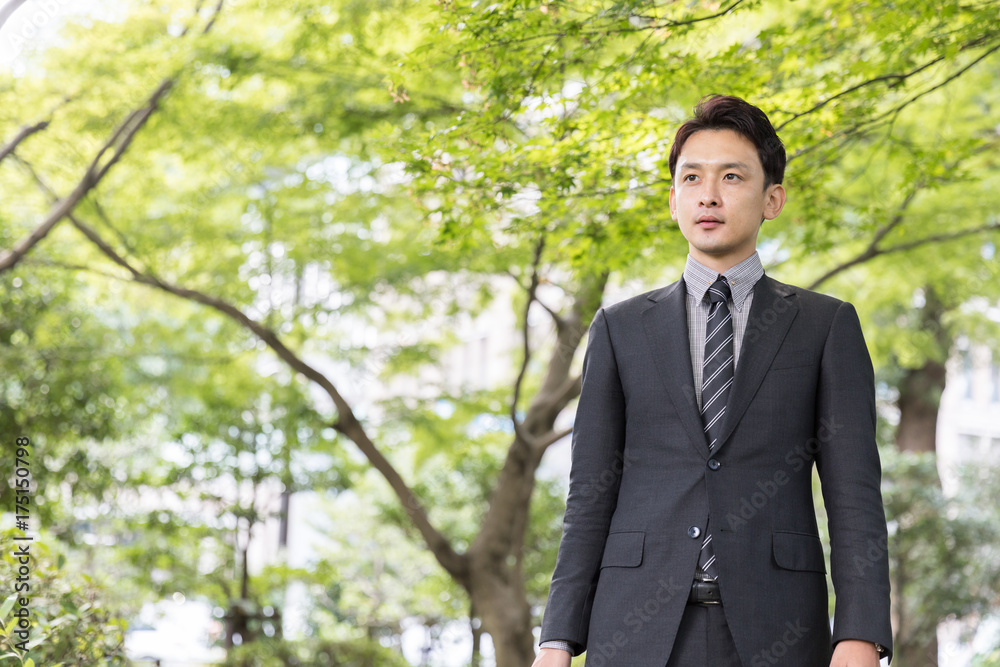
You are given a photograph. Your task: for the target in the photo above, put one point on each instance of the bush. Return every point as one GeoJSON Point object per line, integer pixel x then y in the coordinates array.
{"type": "Point", "coordinates": [67, 625]}
{"type": "Point", "coordinates": [309, 653]}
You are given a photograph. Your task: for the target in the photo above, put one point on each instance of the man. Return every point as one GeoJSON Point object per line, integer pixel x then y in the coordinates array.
{"type": "Point", "coordinates": [690, 537]}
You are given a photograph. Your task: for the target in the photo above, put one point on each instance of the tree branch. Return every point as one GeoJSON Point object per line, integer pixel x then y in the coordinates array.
{"type": "Point", "coordinates": [347, 422]}
{"type": "Point", "coordinates": [119, 142]}
{"type": "Point", "coordinates": [557, 319]}
{"type": "Point", "coordinates": [940, 238]}
{"type": "Point", "coordinates": [871, 253]}
{"type": "Point", "coordinates": [29, 130]}
{"type": "Point", "coordinates": [872, 250]}
{"type": "Point", "coordinates": [215, 16]}
{"type": "Point", "coordinates": [523, 436]}
{"type": "Point", "coordinates": [860, 127]}
{"type": "Point", "coordinates": [699, 19]}
{"type": "Point", "coordinates": [552, 438]}
{"type": "Point", "coordinates": [21, 135]}
{"type": "Point", "coordinates": [505, 523]}
{"type": "Point", "coordinates": [608, 30]}
{"type": "Point", "coordinates": [894, 79]}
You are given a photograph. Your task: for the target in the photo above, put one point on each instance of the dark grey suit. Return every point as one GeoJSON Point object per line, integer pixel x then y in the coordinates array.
{"type": "Point", "coordinates": [642, 481]}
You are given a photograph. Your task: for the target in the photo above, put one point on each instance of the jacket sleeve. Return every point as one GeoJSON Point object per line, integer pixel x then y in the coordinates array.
{"type": "Point", "coordinates": [595, 476]}
{"type": "Point", "coordinates": [850, 473]}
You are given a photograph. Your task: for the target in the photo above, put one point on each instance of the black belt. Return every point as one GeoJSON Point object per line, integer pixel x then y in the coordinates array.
{"type": "Point", "coordinates": [705, 592]}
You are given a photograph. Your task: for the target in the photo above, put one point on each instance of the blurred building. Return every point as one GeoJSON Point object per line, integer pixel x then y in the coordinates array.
{"type": "Point", "coordinates": [968, 433]}
{"type": "Point", "coordinates": [969, 418]}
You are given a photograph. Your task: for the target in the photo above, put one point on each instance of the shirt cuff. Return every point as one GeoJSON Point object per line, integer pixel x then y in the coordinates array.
{"type": "Point", "coordinates": [558, 644]}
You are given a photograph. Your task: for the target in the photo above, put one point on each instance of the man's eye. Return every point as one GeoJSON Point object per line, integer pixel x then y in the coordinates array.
{"type": "Point", "coordinates": [732, 177]}
{"type": "Point", "coordinates": [690, 177]}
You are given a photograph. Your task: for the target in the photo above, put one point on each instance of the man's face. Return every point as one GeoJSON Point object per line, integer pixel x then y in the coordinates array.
{"type": "Point", "coordinates": [718, 197]}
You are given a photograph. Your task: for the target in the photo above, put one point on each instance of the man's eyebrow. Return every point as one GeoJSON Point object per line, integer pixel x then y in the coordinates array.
{"type": "Point", "coordinates": [728, 165]}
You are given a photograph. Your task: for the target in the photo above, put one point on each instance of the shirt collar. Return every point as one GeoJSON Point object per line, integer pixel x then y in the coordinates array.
{"type": "Point", "coordinates": [741, 278]}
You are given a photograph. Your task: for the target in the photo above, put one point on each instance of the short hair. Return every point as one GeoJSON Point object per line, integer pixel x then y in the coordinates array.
{"type": "Point", "coordinates": [727, 112]}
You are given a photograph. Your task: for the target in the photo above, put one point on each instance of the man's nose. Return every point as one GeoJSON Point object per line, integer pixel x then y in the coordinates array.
{"type": "Point", "coordinates": [709, 196]}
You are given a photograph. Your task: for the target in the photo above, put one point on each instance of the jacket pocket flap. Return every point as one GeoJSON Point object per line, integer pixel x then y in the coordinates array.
{"type": "Point", "coordinates": [798, 551]}
{"type": "Point", "coordinates": [623, 549]}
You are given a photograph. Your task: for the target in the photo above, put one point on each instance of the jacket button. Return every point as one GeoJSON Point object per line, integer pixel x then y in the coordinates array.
{"type": "Point", "coordinates": [694, 532]}
{"type": "Point", "coordinates": [713, 464]}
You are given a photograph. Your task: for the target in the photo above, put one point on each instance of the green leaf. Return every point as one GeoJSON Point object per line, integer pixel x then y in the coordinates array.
{"type": "Point", "coordinates": [7, 605]}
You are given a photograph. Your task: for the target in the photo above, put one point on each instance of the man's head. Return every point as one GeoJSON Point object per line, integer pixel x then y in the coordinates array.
{"type": "Point", "coordinates": [726, 112]}
{"type": "Point", "coordinates": [727, 165]}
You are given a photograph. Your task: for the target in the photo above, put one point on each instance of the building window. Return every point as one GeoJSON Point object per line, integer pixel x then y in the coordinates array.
{"type": "Point", "coordinates": [484, 360]}
{"type": "Point", "coordinates": [967, 372]}
{"type": "Point", "coordinates": [968, 445]}
{"type": "Point", "coordinates": [995, 376]}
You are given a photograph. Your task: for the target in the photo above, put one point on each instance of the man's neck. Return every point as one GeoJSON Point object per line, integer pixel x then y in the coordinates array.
{"type": "Point", "coordinates": [719, 264]}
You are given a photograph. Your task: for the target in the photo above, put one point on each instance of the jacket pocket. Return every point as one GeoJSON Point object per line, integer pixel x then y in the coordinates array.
{"type": "Point", "coordinates": [798, 551]}
{"type": "Point", "coordinates": [623, 549]}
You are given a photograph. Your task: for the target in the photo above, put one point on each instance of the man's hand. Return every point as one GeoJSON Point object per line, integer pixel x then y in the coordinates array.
{"type": "Point", "coordinates": [854, 653]}
{"type": "Point", "coordinates": [552, 657]}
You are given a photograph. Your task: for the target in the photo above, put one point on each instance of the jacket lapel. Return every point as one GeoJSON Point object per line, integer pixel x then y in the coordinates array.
{"type": "Point", "coordinates": [774, 307]}
{"type": "Point", "coordinates": [665, 323]}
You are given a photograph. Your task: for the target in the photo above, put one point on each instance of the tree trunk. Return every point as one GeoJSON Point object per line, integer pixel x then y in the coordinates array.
{"type": "Point", "coordinates": [919, 401]}
{"type": "Point", "coordinates": [475, 624]}
{"type": "Point", "coordinates": [916, 654]}
{"type": "Point", "coordinates": [495, 580]}
{"type": "Point", "coordinates": [498, 593]}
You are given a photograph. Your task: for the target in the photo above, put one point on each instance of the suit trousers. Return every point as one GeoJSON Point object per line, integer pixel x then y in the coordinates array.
{"type": "Point", "coordinates": [704, 639]}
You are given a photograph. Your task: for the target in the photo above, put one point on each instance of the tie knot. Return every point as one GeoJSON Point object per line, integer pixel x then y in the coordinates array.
{"type": "Point", "coordinates": [718, 291]}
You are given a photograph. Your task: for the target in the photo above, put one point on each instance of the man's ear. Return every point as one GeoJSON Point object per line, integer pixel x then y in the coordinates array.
{"type": "Point", "coordinates": [673, 213]}
{"type": "Point", "coordinates": [774, 201]}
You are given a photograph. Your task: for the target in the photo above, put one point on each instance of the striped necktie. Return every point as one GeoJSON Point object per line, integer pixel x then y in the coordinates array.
{"type": "Point", "coordinates": [719, 367]}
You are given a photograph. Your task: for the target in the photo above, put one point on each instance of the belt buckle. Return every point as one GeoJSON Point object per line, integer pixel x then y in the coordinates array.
{"type": "Point", "coordinates": [696, 589]}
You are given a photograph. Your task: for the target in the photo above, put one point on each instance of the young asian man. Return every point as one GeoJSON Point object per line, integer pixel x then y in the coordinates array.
{"type": "Point", "coordinates": [690, 537]}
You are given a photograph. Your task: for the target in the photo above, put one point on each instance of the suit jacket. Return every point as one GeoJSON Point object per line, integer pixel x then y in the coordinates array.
{"type": "Point", "coordinates": [642, 480]}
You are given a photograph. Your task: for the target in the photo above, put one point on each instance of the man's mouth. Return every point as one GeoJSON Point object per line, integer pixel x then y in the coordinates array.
{"type": "Point", "coordinates": [709, 221]}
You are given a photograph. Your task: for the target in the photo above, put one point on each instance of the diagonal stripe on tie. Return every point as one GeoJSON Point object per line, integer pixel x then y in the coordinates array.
{"type": "Point", "coordinates": [720, 349]}
{"type": "Point", "coordinates": [708, 426]}
{"type": "Point", "coordinates": [718, 392]}
{"type": "Point", "coordinates": [718, 328]}
{"type": "Point", "coordinates": [722, 368]}
{"type": "Point", "coordinates": [719, 370]}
